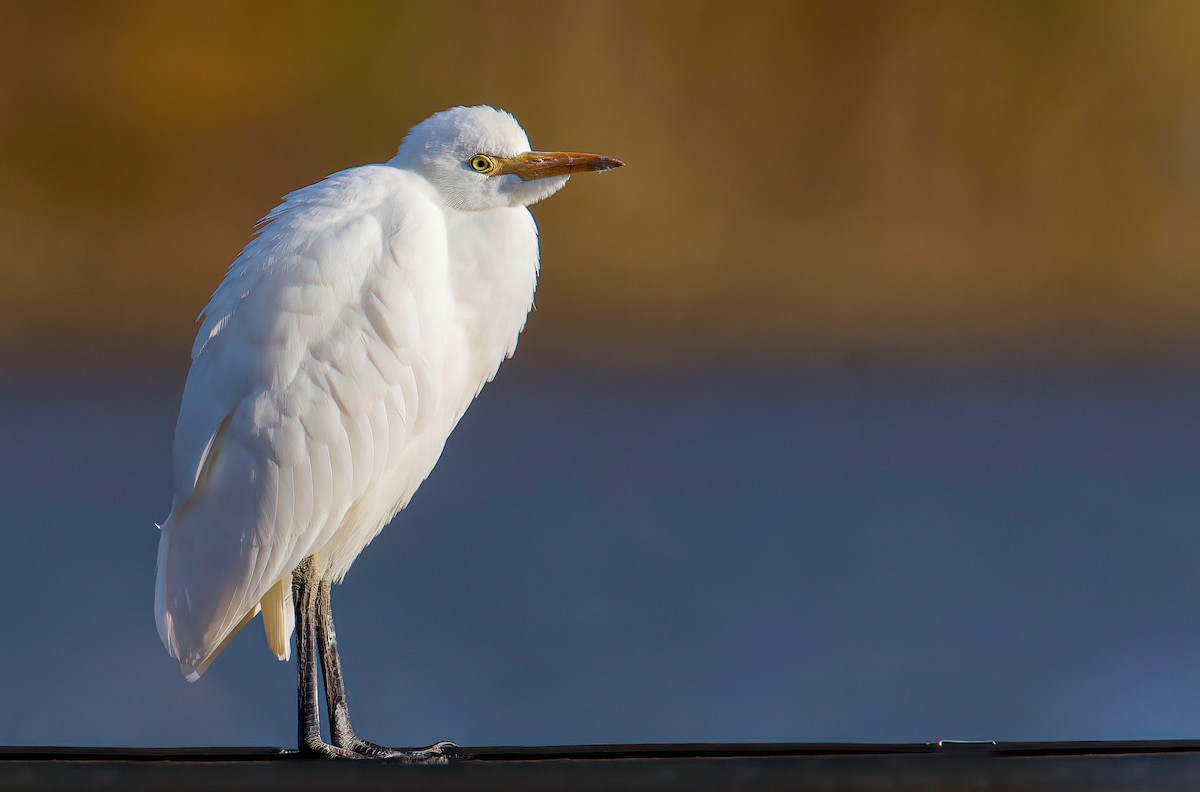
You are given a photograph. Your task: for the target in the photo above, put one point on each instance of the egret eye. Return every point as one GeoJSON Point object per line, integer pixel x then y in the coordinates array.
{"type": "Point", "coordinates": [481, 163]}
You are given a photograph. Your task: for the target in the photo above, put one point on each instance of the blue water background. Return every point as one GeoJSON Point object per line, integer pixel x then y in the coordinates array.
{"type": "Point", "coordinates": [720, 551]}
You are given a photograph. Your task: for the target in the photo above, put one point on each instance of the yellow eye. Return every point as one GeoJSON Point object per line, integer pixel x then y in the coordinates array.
{"type": "Point", "coordinates": [482, 163]}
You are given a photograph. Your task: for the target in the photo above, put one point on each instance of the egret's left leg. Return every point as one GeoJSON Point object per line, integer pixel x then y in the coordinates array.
{"type": "Point", "coordinates": [341, 733]}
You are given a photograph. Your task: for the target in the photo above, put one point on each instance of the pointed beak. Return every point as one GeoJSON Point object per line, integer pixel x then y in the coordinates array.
{"type": "Point", "coordinates": [540, 164]}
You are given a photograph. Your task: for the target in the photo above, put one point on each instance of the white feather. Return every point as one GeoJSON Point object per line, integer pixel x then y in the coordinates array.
{"type": "Point", "coordinates": [330, 366]}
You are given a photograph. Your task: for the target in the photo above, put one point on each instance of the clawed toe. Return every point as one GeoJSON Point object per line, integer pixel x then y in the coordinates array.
{"type": "Point", "coordinates": [319, 749]}
{"type": "Point", "coordinates": [438, 753]}
{"type": "Point", "coordinates": [434, 754]}
{"type": "Point", "coordinates": [357, 748]}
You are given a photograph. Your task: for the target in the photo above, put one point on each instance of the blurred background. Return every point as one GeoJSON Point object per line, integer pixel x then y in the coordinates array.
{"type": "Point", "coordinates": [859, 406]}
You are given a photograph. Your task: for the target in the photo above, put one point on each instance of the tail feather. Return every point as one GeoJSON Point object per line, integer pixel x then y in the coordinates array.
{"type": "Point", "coordinates": [221, 555]}
{"type": "Point", "coordinates": [279, 618]}
{"type": "Point", "coordinates": [192, 672]}
{"type": "Point", "coordinates": [189, 607]}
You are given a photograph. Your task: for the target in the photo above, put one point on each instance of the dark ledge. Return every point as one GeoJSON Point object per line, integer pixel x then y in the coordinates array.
{"type": "Point", "coordinates": [1142, 765]}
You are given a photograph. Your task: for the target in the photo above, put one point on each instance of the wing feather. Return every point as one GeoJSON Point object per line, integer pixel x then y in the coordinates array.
{"type": "Point", "coordinates": [277, 440]}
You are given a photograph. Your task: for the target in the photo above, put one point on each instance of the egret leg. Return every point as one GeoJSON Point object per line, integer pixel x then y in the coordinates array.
{"type": "Point", "coordinates": [304, 595]}
{"type": "Point", "coordinates": [341, 733]}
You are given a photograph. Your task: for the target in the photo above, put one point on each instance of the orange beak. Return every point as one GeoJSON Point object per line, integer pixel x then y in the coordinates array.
{"type": "Point", "coordinates": [540, 164]}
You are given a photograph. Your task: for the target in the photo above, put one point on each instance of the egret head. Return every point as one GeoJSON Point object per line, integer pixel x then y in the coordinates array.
{"type": "Point", "coordinates": [478, 158]}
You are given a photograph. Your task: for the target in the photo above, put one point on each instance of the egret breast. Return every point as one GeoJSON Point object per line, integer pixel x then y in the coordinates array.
{"type": "Point", "coordinates": [467, 316]}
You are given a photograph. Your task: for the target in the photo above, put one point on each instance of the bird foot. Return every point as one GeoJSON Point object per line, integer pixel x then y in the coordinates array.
{"type": "Point", "coordinates": [438, 753]}
{"type": "Point", "coordinates": [319, 749]}
{"type": "Point", "coordinates": [359, 748]}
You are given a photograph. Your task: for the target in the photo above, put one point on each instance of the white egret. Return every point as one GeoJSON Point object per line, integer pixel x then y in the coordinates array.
{"type": "Point", "coordinates": [331, 364]}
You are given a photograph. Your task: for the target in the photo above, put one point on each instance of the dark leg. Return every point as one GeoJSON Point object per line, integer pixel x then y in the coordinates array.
{"type": "Point", "coordinates": [304, 596]}
{"type": "Point", "coordinates": [341, 733]}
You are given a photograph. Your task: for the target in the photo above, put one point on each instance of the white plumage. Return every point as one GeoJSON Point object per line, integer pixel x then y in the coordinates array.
{"type": "Point", "coordinates": [332, 362]}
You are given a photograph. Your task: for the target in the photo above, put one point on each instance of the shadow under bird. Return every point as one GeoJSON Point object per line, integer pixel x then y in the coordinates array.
{"type": "Point", "coordinates": [331, 364]}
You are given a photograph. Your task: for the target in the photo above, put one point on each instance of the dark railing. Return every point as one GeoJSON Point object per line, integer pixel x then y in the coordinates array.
{"type": "Point", "coordinates": [796, 767]}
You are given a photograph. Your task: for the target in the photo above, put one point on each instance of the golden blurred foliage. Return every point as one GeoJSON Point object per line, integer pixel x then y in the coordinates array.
{"type": "Point", "coordinates": [802, 176]}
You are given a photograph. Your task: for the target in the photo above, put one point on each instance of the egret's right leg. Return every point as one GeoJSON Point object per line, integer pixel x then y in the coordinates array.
{"type": "Point", "coordinates": [341, 733]}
